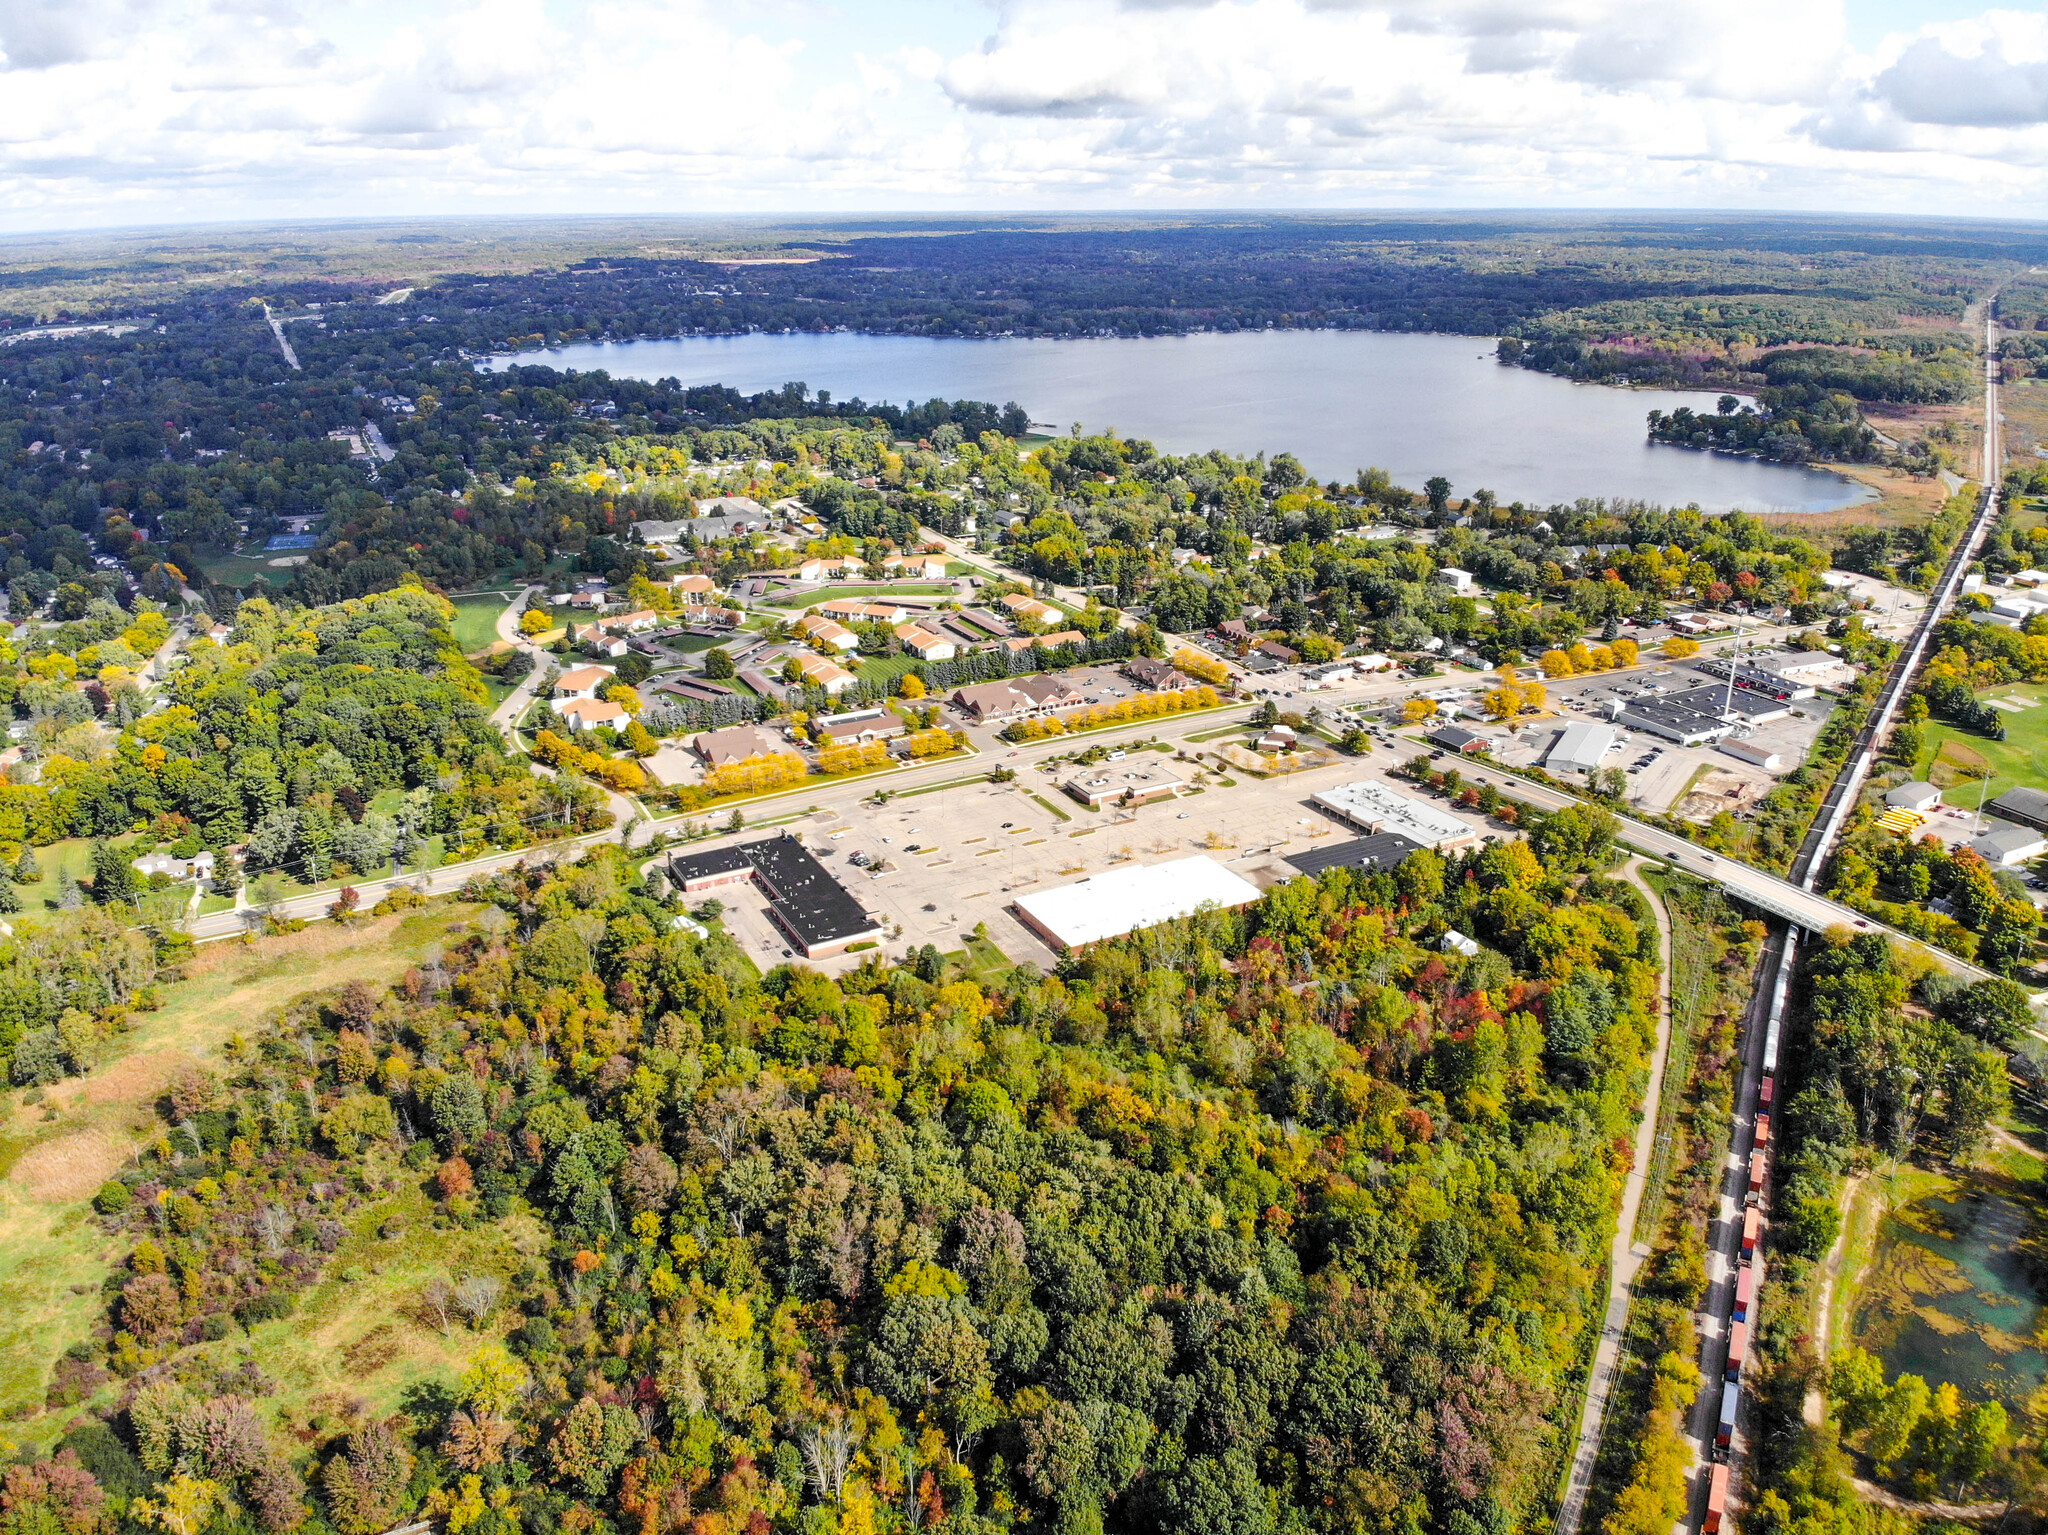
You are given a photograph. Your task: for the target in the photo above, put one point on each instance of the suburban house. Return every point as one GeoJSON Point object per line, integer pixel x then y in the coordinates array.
{"type": "Point", "coordinates": [739, 743]}
{"type": "Point", "coordinates": [1157, 675]}
{"type": "Point", "coordinates": [926, 567]}
{"type": "Point", "coordinates": [219, 633]}
{"type": "Point", "coordinates": [583, 713]}
{"type": "Point", "coordinates": [694, 589]}
{"type": "Point", "coordinates": [600, 641]}
{"type": "Point", "coordinates": [860, 728]}
{"type": "Point", "coordinates": [925, 645]}
{"type": "Point", "coordinates": [1021, 606]}
{"type": "Point", "coordinates": [590, 600]}
{"type": "Point", "coordinates": [824, 631]}
{"type": "Point", "coordinates": [821, 673]}
{"type": "Point", "coordinates": [987, 703]}
{"type": "Point", "coordinates": [861, 610]}
{"type": "Point", "coordinates": [829, 567]}
{"type": "Point", "coordinates": [1049, 641]}
{"type": "Point", "coordinates": [639, 621]}
{"type": "Point", "coordinates": [580, 682]}
{"type": "Point", "coordinates": [198, 866]}
{"type": "Point", "coordinates": [1235, 630]}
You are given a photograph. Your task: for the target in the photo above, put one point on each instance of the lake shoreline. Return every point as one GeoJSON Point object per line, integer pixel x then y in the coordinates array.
{"type": "Point", "coordinates": [1339, 399]}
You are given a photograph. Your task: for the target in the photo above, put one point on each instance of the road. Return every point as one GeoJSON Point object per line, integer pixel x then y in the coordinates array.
{"type": "Point", "coordinates": [508, 712]}
{"type": "Point", "coordinates": [284, 346]}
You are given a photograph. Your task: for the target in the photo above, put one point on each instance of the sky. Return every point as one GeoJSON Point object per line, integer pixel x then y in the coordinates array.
{"type": "Point", "coordinates": [117, 112]}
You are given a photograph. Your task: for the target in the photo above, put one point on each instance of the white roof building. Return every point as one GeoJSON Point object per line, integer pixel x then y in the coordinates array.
{"type": "Point", "coordinates": [1457, 580]}
{"type": "Point", "coordinates": [1581, 747]}
{"type": "Point", "coordinates": [2005, 845]}
{"type": "Point", "coordinates": [1124, 900]}
{"type": "Point", "coordinates": [1797, 663]}
{"type": "Point", "coordinates": [1373, 807]}
{"type": "Point", "coordinates": [1917, 795]}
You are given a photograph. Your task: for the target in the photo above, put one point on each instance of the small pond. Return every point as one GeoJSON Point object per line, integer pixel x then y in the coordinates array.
{"type": "Point", "coordinates": [1948, 1295]}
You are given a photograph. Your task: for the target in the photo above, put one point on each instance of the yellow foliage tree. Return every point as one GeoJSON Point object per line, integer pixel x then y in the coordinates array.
{"type": "Point", "coordinates": [533, 621]}
{"type": "Point", "coordinates": [853, 758]}
{"type": "Point", "coordinates": [1200, 667]}
{"type": "Point", "coordinates": [1556, 663]}
{"type": "Point", "coordinates": [912, 685]}
{"type": "Point", "coordinates": [1625, 651]}
{"type": "Point", "coordinates": [1416, 710]}
{"type": "Point", "coordinates": [755, 775]}
{"type": "Point", "coordinates": [1680, 647]}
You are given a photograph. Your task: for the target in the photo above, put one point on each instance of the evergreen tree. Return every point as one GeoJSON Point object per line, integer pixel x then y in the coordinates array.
{"type": "Point", "coordinates": [113, 877]}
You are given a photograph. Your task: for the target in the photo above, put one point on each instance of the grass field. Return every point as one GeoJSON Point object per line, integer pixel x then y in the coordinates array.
{"type": "Point", "coordinates": [882, 670]}
{"type": "Point", "coordinates": [831, 594]}
{"type": "Point", "coordinates": [476, 621]}
{"type": "Point", "coordinates": [53, 1155]}
{"type": "Point", "coordinates": [2021, 758]}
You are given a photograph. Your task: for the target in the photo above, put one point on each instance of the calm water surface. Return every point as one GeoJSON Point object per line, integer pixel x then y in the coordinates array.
{"type": "Point", "coordinates": [1947, 1296]}
{"type": "Point", "coordinates": [1338, 400]}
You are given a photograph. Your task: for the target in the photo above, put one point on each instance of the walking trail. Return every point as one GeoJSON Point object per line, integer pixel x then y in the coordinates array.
{"type": "Point", "coordinates": [1627, 1256]}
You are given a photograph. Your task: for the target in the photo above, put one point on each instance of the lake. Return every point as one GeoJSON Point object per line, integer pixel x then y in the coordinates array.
{"type": "Point", "coordinates": [1338, 400]}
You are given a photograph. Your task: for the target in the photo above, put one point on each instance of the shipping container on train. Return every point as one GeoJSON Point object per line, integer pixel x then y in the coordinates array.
{"type": "Point", "coordinates": [1745, 1292]}
{"type": "Point", "coordinates": [1752, 1228]}
{"type": "Point", "coordinates": [1738, 1349]}
{"type": "Point", "coordinates": [1731, 1399]}
{"type": "Point", "coordinates": [1717, 1500]}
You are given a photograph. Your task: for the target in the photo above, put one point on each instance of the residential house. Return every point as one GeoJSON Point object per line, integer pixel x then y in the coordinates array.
{"type": "Point", "coordinates": [821, 673]}
{"type": "Point", "coordinates": [694, 590]}
{"type": "Point", "coordinates": [199, 866]}
{"type": "Point", "coordinates": [1235, 630]}
{"type": "Point", "coordinates": [639, 621]}
{"type": "Point", "coordinates": [829, 567]}
{"type": "Point", "coordinates": [600, 641]}
{"type": "Point", "coordinates": [1021, 606]}
{"type": "Point", "coordinates": [923, 567]}
{"type": "Point", "coordinates": [583, 713]}
{"type": "Point", "coordinates": [860, 610]}
{"type": "Point", "coordinates": [823, 631]}
{"type": "Point", "coordinates": [739, 743]}
{"type": "Point", "coordinates": [926, 645]}
{"type": "Point", "coordinates": [580, 682]}
{"type": "Point", "coordinates": [1049, 641]}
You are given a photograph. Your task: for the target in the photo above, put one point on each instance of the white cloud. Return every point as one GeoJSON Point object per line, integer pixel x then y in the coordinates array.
{"type": "Point", "coordinates": [118, 110]}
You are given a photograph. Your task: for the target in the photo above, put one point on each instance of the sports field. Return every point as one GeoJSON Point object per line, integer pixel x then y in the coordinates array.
{"type": "Point", "coordinates": [1954, 758]}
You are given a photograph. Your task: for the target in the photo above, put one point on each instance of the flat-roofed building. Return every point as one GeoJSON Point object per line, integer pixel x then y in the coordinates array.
{"type": "Point", "coordinates": [1765, 757]}
{"type": "Point", "coordinates": [1130, 782]}
{"type": "Point", "coordinates": [1371, 806]}
{"type": "Point", "coordinates": [818, 913]}
{"type": "Point", "coordinates": [1918, 795]}
{"type": "Point", "coordinates": [1124, 900]}
{"type": "Point", "coordinates": [1382, 850]}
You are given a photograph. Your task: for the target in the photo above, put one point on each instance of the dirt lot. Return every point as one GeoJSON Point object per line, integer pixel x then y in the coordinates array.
{"type": "Point", "coordinates": [982, 845]}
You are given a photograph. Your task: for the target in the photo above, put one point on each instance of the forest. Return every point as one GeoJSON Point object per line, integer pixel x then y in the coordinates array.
{"type": "Point", "coordinates": [1275, 1219]}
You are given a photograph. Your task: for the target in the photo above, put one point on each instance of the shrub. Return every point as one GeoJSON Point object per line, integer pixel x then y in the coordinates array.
{"type": "Point", "coordinates": [112, 1198]}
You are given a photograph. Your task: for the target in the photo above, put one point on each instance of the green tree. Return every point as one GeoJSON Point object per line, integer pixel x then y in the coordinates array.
{"type": "Point", "coordinates": [113, 877]}
{"type": "Point", "coordinates": [718, 664]}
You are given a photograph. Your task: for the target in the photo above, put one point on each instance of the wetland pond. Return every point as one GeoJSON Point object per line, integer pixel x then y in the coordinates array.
{"type": "Point", "coordinates": [1948, 1295]}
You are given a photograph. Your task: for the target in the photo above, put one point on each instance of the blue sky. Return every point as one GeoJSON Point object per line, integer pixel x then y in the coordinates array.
{"type": "Point", "coordinates": [130, 111]}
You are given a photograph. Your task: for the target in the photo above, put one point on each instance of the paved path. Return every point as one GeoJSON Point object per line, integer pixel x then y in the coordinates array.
{"type": "Point", "coordinates": [284, 346]}
{"type": "Point", "coordinates": [1625, 1260]}
{"type": "Point", "coordinates": [507, 713]}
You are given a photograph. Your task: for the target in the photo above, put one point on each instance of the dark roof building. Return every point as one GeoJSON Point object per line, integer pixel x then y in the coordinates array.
{"type": "Point", "coordinates": [819, 914]}
{"type": "Point", "coordinates": [1457, 738]}
{"type": "Point", "coordinates": [1382, 850]}
{"type": "Point", "coordinates": [2029, 807]}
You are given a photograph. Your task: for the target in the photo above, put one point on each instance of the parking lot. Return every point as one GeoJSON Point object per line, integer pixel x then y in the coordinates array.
{"type": "Point", "coordinates": [979, 846]}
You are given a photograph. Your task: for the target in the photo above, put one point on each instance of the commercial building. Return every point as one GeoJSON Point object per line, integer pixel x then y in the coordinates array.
{"type": "Point", "coordinates": [1001, 702]}
{"type": "Point", "coordinates": [1456, 738]}
{"type": "Point", "coordinates": [1757, 756]}
{"type": "Point", "coordinates": [1371, 806]}
{"type": "Point", "coordinates": [818, 913]}
{"type": "Point", "coordinates": [738, 743]}
{"type": "Point", "coordinates": [2029, 807]}
{"type": "Point", "coordinates": [1382, 850]}
{"type": "Point", "coordinates": [1457, 580]}
{"type": "Point", "coordinates": [2005, 845]}
{"type": "Point", "coordinates": [1797, 663]}
{"type": "Point", "coordinates": [1580, 748]}
{"type": "Point", "coordinates": [1124, 900]}
{"type": "Point", "coordinates": [1157, 675]}
{"type": "Point", "coordinates": [1917, 795]}
{"type": "Point", "coordinates": [1672, 721]}
{"type": "Point", "coordinates": [1749, 675]}
{"type": "Point", "coordinates": [860, 728]}
{"type": "Point", "coordinates": [1738, 706]}
{"type": "Point", "coordinates": [1130, 782]}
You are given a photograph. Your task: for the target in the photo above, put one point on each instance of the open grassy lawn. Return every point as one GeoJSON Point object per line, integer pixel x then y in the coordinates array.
{"type": "Point", "coordinates": [238, 567]}
{"type": "Point", "coordinates": [882, 670]}
{"type": "Point", "coordinates": [476, 621]}
{"type": "Point", "coordinates": [54, 1154]}
{"type": "Point", "coordinates": [832, 594]}
{"type": "Point", "coordinates": [2021, 758]}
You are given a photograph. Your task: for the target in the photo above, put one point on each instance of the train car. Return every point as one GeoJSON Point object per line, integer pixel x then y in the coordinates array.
{"type": "Point", "coordinates": [1752, 1229]}
{"type": "Point", "coordinates": [1766, 1095]}
{"type": "Point", "coordinates": [1731, 1399]}
{"type": "Point", "coordinates": [1717, 1500]}
{"type": "Point", "coordinates": [1738, 1350]}
{"type": "Point", "coordinates": [1745, 1292]}
{"type": "Point", "coordinates": [1759, 1164]}
{"type": "Point", "coordinates": [1762, 1141]}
